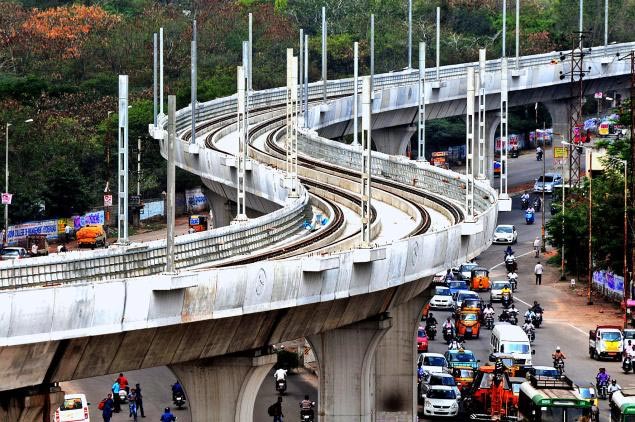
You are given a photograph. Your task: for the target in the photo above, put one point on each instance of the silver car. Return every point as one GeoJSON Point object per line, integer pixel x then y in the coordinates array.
{"type": "Point", "coordinates": [497, 288]}
{"type": "Point", "coordinates": [547, 183]}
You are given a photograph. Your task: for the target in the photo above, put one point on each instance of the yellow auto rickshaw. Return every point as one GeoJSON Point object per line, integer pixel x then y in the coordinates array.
{"type": "Point", "coordinates": [468, 324]}
{"type": "Point", "coordinates": [479, 279]}
{"type": "Point", "coordinates": [198, 223]}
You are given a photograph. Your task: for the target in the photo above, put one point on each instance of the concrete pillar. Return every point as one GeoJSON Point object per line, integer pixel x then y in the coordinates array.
{"type": "Point", "coordinates": [395, 371]}
{"type": "Point", "coordinates": [223, 389]}
{"type": "Point", "coordinates": [559, 111]}
{"type": "Point", "coordinates": [220, 209]}
{"type": "Point", "coordinates": [346, 358]}
{"type": "Point", "coordinates": [492, 122]}
{"type": "Point", "coordinates": [30, 405]}
{"type": "Point", "coordinates": [393, 140]}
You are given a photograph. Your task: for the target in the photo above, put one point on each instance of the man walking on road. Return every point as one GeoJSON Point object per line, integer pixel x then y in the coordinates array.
{"type": "Point", "coordinates": [537, 245]}
{"type": "Point", "coordinates": [140, 401]}
{"type": "Point", "coordinates": [538, 272]}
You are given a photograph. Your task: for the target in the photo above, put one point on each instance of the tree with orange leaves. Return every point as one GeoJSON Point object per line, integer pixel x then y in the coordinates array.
{"type": "Point", "coordinates": [61, 31]}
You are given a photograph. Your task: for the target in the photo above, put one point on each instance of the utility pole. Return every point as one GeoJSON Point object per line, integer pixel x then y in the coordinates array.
{"type": "Point", "coordinates": [355, 89]}
{"type": "Point", "coordinates": [504, 52]}
{"type": "Point", "coordinates": [122, 200]}
{"type": "Point", "coordinates": [324, 67]}
{"type": "Point", "coordinates": [480, 83]}
{"type": "Point", "coordinates": [193, 84]}
{"type": "Point", "coordinates": [438, 39]}
{"type": "Point", "coordinates": [590, 265]}
{"type": "Point", "coordinates": [469, 148]}
{"type": "Point", "coordinates": [170, 267]}
{"type": "Point", "coordinates": [139, 167]}
{"type": "Point", "coordinates": [421, 132]}
{"type": "Point", "coordinates": [372, 52]}
{"type": "Point", "coordinates": [366, 162]}
{"type": "Point", "coordinates": [161, 71]}
{"type": "Point", "coordinates": [155, 100]}
{"type": "Point", "coordinates": [409, 34]}
{"type": "Point", "coordinates": [517, 34]}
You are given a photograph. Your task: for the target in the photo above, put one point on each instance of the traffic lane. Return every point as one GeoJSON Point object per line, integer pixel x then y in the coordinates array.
{"type": "Point", "coordinates": [155, 385]}
{"type": "Point", "coordinates": [297, 386]}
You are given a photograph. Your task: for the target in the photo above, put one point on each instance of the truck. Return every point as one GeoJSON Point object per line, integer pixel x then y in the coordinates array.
{"type": "Point", "coordinates": [91, 236]}
{"type": "Point", "coordinates": [606, 341]}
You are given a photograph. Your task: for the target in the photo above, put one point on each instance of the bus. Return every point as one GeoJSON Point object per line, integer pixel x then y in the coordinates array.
{"type": "Point", "coordinates": [543, 399]}
{"type": "Point", "coordinates": [623, 406]}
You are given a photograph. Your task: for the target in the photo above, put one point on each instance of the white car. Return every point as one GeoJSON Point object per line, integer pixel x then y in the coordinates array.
{"type": "Point", "coordinates": [550, 181]}
{"type": "Point", "coordinates": [442, 301]}
{"type": "Point", "coordinates": [505, 233]}
{"type": "Point", "coordinates": [74, 408]}
{"type": "Point", "coordinates": [433, 362]}
{"type": "Point", "coordinates": [440, 401]}
{"type": "Point", "coordinates": [497, 288]}
{"type": "Point", "coordinates": [462, 295]}
{"type": "Point", "coordinates": [432, 379]}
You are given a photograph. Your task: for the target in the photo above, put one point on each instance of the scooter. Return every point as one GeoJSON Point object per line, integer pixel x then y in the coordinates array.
{"type": "Point", "coordinates": [447, 334]}
{"type": "Point", "coordinates": [123, 396]}
{"type": "Point", "coordinates": [524, 203]}
{"type": "Point", "coordinates": [537, 204]}
{"type": "Point", "coordinates": [529, 217]}
{"type": "Point", "coordinates": [506, 300]}
{"type": "Point", "coordinates": [281, 386]}
{"type": "Point", "coordinates": [603, 389]}
{"type": "Point", "coordinates": [431, 331]}
{"type": "Point", "coordinates": [559, 365]}
{"type": "Point", "coordinates": [627, 365]}
{"type": "Point", "coordinates": [539, 156]}
{"type": "Point", "coordinates": [531, 334]}
{"type": "Point", "coordinates": [307, 415]}
{"type": "Point", "coordinates": [537, 319]}
{"type": "Point", "coordinates": [489, 321]}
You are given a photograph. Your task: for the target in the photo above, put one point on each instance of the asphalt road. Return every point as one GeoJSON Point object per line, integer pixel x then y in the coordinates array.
{"type": "Point", "coordinates": [556, 330]}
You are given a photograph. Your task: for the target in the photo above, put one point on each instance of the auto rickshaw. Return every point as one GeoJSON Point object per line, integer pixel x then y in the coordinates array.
{"type": "Point", "coordinates": [479, 279]}
{"type": "Point", "coordinates": [198, 223]}
{"type": "Point", "coordinates": [468, 324]}
{"type": "Point", "coordinates": [463, 377]}
{"type": "Point", "coordinates": [472, 305]}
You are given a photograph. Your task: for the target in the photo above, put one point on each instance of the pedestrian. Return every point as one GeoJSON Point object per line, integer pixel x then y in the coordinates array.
{"type": "Point", "coordinates": [140, 401]}
{"type": "Point", "coordinates": [537, 245]}
{"type": "Point", "coordinates": [276, 410]}
{"type": "Point", "coordinates": [123, 383]}
{"type": "Point", "coordinates": [115, 396]}
{"type": "Point", "coordinates": [34, 249]}
{"type": "Point", "coordinates": [67, 233]}
{"type": "Point", "coordinates": [538, 272]}
{"type": "Point", "coordinates": [108, 408]}
{"type": "Point", "coordinates": [132, 403]}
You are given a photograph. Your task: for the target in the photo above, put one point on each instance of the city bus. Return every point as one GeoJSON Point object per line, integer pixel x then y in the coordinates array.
{"type": "Point", "coordinates": [623, 406]}
{"type": "Point", "coordinates": [543, 399]}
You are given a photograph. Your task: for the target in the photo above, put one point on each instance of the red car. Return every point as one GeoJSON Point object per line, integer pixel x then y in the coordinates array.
{"type": "Point", "coordinates": [422, 340]}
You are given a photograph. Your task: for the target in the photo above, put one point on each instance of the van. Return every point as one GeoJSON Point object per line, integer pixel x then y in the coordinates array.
{"type": "Point", "coordinates": [512, 340]}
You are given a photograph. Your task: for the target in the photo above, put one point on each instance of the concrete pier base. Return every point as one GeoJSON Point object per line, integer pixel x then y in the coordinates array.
{"type": "Point", "coordinates": [30, 405]}
{"type": "Point", "coordinates": [395, 370]}
{"type": "Point", "coordinates": [393, 140]}
{"type": "Point", "coordinates": [223, 389]}
{"type": "Point", "coordinates": [346, 358]}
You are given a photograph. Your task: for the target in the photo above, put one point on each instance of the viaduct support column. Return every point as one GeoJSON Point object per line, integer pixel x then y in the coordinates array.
{"type": "Point", "coordinates": [492, 122]}
{"type": "Point", "coordinates": [393, 140]}
{"type": "Point", "coordinates": [346, 358]}
{"type": "Point", "coordinates": [223, 389]}
{"type": "Point", "coordinates": [220, 207]}
{"type": "Point", "coordinates": [559, 111]}
{"type": "Point", "coordinates": [395, 371]}
{"type": "Point", "coordinates": [30, 405]}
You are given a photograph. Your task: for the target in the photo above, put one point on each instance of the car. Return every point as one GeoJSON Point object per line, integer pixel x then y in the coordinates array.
{"type": "Point", "coordinates": [441, 400]}
{"type": "Point", "coordinates": [505, 233]}
{"type": "Point", "coordinates": [439, 278]}
{"type": "Point", "coordinates": [422, 339]}
{"type": "Point", "coordinates": [432, 379]}
{"type": "Point", "coordinates": [464, 271]}
{"type": "Point", "coordinates": [74, 408]}
{"type": "Point", "coordinates": [461, 359]}
{"type": "Point", "coordinates": [463, 294]}
{"type": "Point", "coordinates": [456, 285]}
{"type": "Point", "coordinates": [497, 288]}
{"type": "Point", "coordinates": [548, 183]}
{"type": "Point", "coordinates": [544, 372]}
{"type": "Point", "coordinates": [441, 302]}
{"type": "Point", "coordinates": [442, 291]}
{"type": "Point", "coordinates": [433, 362]}
{"type": "Point", "coordinates": [13, 252]}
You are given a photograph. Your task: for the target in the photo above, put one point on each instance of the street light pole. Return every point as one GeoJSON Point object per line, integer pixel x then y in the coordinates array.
{"type": "Point", "coordinates": [6, 183]}
{"type": "Point", "coordinates": [590, 264]}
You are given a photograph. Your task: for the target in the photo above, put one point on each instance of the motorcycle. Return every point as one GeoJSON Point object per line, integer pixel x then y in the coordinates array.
{"type": "Point", "coordinates": [539, 156]}
{"type": "Point", "coordinates": [524, 203]}
{"type": "Point", "coordinates": [489, 321]}
{"type": "Point", "coordinates": [559, 365]}
{"type": "Point", "coordinates": [510, 263]}
{"type": "Point", "coordinates": [506, 300]}
{"type": "Point", "coordinates": [537, 204]}
{"type": "Point", "coordinates": [179, 400]}
{"type": "Point", "coordinates": [603, 389]}
{"type": "Point", "coordinates": [531, 334]}
{"type": "Point", "coordinates": [627, 365]}
{"type": "Point", "coordinates": [513, 281]}
{"type": "Point", "coordinates": [448, 334]}
{"type": "Point", "coordinates": [281, 386]}
{"type": "Point", "coordinates": [307, 415]}
{"type": "Point", "coordinates": [537, 319]}
{"type": "Point", "coordinates": [529, 217]}
{"type": "Point", "coordinates": [123, 396]}
{"type": "Point", "coordinates": [504, 316]}
{"type": "Point", "coordinates": [431, 331]}
{"type": "Point", "coordinates": [513, 318]}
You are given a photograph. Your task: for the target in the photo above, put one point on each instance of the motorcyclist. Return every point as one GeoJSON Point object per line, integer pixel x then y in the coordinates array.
{"type": "Point", "coordinates": [557, 355]}
{"type": "Point", "coordinates": [531, 209]}
{"type": "Point", "coordinates": [513, 310]}
{"type": "Point", "coordinates": [510, 262]}
{"type": "Point", "coordinates": [430, 320]}
{"type": "Point", "coordinates": [306, 407]}
{"type": "Point", "coordinates": [613, 388]}
{"type": "Point", "coordinates": [529, 315]}
{"type": "Point", "coordinates": [537, 245]}
{"type": "Point", "coordinates": [455, 344]}
{"type": "Point", "coordinates": [449, 276]}
{"type": "Point", "coordinates": [536, 308]}
{"type": "Point", "coordinates": [167, 416]}
{"type": "Point", "coordinates": [528, 327]}
{"type": "Point", "coordinates": [506, 290]}
{"type": "Point", "coordinates": [512, 275]}
{"type": "Point", "coordinates": [176, 389]}
{"type": "Point", "coordinates": [488, 310]}
{"type": "Point", "coordinates": [524, 199]}
{"type": "Point", "coordinates": [508, 251]}
{"type": "Point", "coordinates": [280, 375]}
{"type": "Point", "coordinates": [448, 324]}
{"type": "Point", "coordinates": [538, 153]}
{"type": "Point", "coordinates": [419, 372]}
{"type": "Point", "coordinates": [602, 377]}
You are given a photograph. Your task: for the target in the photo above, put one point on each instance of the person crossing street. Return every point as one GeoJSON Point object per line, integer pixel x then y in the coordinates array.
{"type": "Point", "coordinates": [538, 272]}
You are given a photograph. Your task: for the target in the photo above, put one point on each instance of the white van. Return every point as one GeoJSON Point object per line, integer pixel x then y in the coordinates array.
{"type": "Point", "coordinates": [512, 340]}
